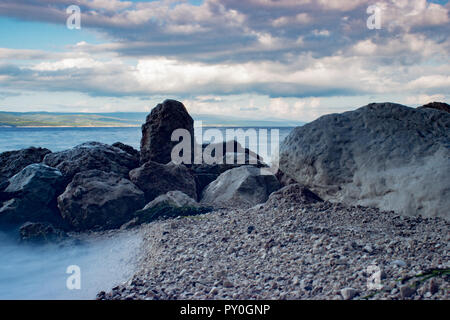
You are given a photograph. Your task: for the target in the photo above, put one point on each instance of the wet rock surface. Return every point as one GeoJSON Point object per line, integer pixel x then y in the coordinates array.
{"type": "Point", "coordinates": [99, 200]}
{"type": "Point", "coordinates": [92, 156]}
{"type": "Point", "coordinates": [12, 162]}
{"type": "Point", "coordinates": [170, 205]}
{"type": "Point", "coordinates": [31, 196]}
{"type": "Point", "coordinates": [39, 232]}
{"type": "Point", "coordinates": [128, 149]}
{"type": "Point", "coordinates": [156, 179]}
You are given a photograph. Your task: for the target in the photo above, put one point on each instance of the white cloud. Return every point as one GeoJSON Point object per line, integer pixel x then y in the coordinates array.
{"type": "Point", "coordinates": [430, 82]}
{"type": "Point", "coordinates": [419, 100]}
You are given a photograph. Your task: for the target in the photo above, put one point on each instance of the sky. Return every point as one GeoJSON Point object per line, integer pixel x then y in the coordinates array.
{"type": "Point", "coordinates": [254, 59]}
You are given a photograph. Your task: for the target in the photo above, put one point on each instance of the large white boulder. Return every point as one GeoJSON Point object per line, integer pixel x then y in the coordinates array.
{"type": "Point", "coordinates": [384, 155]}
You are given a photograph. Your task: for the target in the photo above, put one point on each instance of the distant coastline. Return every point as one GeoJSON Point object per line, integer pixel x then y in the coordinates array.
{"type": "Point", "coordinates": [23, 127]}
{"type": "Point", "coordinates": [122, 120]}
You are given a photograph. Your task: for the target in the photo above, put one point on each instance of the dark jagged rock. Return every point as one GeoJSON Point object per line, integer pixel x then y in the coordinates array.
{"type": "Point", "coordinates": [128, 149]}
{"type": "Point", "coordinates": [232, 146]}
{"type": "Point", "coordinates": [99, 200]}
{"type": "Point", "coordinates": [3, 196]}
{"type": "Point", "coordinates": [12, 162]}
{"type": "Point", "coordinates": [156, 179]}
{"type": "Point", "coordinates": [40, 232]}
{"type": "Point", "coordinates": [31, 196]}
{"type": "Point", "coordinates": [170, 205]}
{"type": "Point", "coordinates": [437, 105]}
{"type": "Point", "coordinates": [384, 155]}
{"type": "Point", "coordinates": [164, 119]}
{"type": "Point", "coordinates": [92, 156]}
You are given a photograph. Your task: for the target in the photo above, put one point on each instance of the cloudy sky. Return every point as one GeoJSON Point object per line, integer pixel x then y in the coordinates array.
{"type": "Point", "coordinates": [256, 59]}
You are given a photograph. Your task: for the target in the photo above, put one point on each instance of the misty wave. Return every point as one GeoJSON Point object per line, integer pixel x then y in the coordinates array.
{"type": "Point", "coordinates": [39, 271]}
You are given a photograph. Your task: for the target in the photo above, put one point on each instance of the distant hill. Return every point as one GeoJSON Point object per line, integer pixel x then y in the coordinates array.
{"type": "Point", "coordinates": [122, 119]}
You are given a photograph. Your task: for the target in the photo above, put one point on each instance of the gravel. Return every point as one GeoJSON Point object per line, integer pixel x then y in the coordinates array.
{"type": "Point", "coordinates": [282, 250]}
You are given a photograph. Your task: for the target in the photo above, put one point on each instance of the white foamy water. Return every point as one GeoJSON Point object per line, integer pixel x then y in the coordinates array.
{"type": "Point", "coordinates": [39, 271]}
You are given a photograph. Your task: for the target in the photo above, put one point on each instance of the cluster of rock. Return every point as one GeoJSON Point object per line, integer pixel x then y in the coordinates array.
{"type": "Point", "coordinates": [385, 155]}
{"type": "Point", "coordinates": [96, 186]}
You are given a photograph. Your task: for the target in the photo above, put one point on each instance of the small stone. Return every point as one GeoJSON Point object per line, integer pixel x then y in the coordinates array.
{"type": "Point", "coordinates": [433, 286]}
{"type": "Point", "coordinates": [428, 295]}
{"type": "Point", "coordinates": [399, 263]}
{"type": "Point", "coordinates": [368, 248]}
{"type": "Point", "coordinates": [348, 293]}
{"type": "Point", "coordinates": [406, 291]}
{"type": "Point", "coordinates": [227, 284]}
{"type": "Point", "coordinates": [214, 291]}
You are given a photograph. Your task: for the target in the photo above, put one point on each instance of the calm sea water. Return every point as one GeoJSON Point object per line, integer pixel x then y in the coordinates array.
{"type": "Point", "coordinates": [57, 139]}
{"type": "Point", "coordinates": [39, 272]}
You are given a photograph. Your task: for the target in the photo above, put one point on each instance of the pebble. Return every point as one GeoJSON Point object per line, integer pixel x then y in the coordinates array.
{"type": "Point", "coordinates": [348, 293]}
{"type": "Point", "coordinates": [315, 251]}
{"type": "Point", "coordinates": [406, 291]}
{"type": "Point", "coordinates": [399, 263]}
{"type": "Point", "coordinates": [228, 284]}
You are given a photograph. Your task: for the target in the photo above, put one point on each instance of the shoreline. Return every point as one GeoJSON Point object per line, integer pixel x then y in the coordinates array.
{"type": "Point", "coordinates": [291, 251]}
{"type": "Point", "coordinates": [121, 248]}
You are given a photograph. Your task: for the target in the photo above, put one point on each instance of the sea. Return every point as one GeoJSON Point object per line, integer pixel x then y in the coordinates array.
{"type": "Point", "coordinates": [43, 271]}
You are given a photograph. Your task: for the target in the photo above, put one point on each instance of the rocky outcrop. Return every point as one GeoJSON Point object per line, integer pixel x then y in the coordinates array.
{"type": "Point", "coordinates": [40, 232]}
{"type": "Point", "coordinates": [241, 187]}
{"type": "Point", "coordinates": [438, 106]}
{"type": "Point", "coordinates": [170, 205]}
{"type": "Point", "coordinates": [31, 196]}
{"type": "Point", "coordinates": [99, 200]}
{"type": "Point", "coordinates": [164, 119]}
{"type": "Point", "coordinates": [12, 162]}
{"type": "Point", "coordinates": [92, 156]}
{"type": "Point", "coordinates": [156, 179]}
{"type": "Point", "coordinates": [383, 155]}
